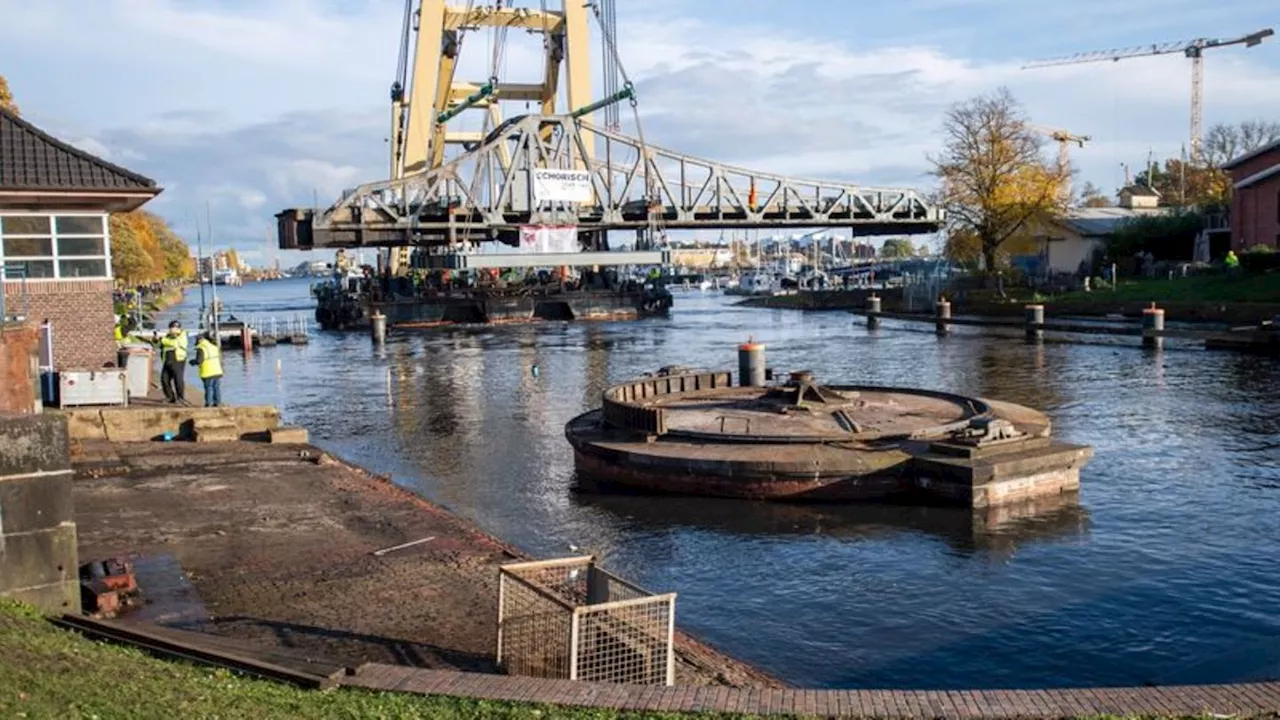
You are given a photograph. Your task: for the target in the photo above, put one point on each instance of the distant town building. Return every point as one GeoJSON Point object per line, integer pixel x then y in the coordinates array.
{"type": "Point", "coordinates": [55, 245]}
{"type": "Point", "coordinates": [1139, 197]}
{"type": "Point", "coordinates": [1255, 200]}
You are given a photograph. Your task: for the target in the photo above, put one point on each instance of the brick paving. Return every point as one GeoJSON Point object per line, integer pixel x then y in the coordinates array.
{"type": "Point", "coordinates": [1240, 700]}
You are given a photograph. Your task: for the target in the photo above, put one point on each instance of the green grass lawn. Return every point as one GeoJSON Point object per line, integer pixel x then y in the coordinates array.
{"type": "Point", "coordinates": [1201, 289]}
{"type": "Point", "coordinates": [46, 672]}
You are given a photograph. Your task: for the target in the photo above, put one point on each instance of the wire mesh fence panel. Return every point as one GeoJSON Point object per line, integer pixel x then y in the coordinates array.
{"type": "Point", "coordinates": [534, 632]}
{"type": "Point", "coordinates": [570, 619]}
{"type": "Point", "coordinates": [626, 642]}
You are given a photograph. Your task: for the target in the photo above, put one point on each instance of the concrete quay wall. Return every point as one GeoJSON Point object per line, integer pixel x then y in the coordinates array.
{"type": "Point", "coordinates": [38, 557]}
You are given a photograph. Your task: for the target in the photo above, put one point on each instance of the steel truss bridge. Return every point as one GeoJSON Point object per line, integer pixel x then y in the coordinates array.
{"type": "Point", "coordinates": [488, 193]}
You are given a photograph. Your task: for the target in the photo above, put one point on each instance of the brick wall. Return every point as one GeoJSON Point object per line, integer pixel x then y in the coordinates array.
{"type": "Point", "coordinates": [19, 376]}
{"type": "Point", "coordinates": [81, 313]}
{"type": "Point", "coordinates": [1255, 210]}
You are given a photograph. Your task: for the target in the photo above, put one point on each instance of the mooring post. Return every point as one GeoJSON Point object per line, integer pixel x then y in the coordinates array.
{"type": "Point", "coordinates": [1035, 323]}
{"type": "Point", "coordinates": [873, 312]}
{"type": "Point", "coordinates": [751, 364]}
{"type": "Point", "coordinates": [1152, 322]}
{"type": "Point", "coordinates": [942, 309]}
{"type": "Point", "coordinates": [378, 326]}
{"type": "Point", "coordinates": [246, 338]}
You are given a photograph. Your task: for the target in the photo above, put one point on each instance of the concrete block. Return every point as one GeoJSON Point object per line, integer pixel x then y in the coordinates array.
{"type": "Point", "coordinates": [84, 424]}
{"type": "Point", "coordinates": [288, 435]}
{"type": "Point", "coordinates": [55, 599]}
{"type": "Point", "coordinates": [35, 502]}
{"type": "Point", "coordinates": [33, 443]}
{"type": "Point", "coordinates": [34, 559]}
{"type": "Point", "coordinates": [215, 429]}
{"type": "Point", "coordinates": [141, 424]}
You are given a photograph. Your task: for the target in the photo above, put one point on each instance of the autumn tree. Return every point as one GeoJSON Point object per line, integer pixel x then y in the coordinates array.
{"type": "Point", "coordinates": [1184, 184]}
{"type": "Point", "coordinates": [1223, 143]}
{"type": "Point", "coordinates": [144, 249]}
{"type": "Point", "coordinates": [1091, 196]}
{"type": "Point", "coordinates": [996, 184]}
{"type": "Point", "coordinates": [963, 246]}
{"type": "Point", "coordinates": [6, 97]}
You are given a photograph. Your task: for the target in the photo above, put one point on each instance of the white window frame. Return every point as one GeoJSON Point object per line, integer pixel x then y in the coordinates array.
{"type": "Point", "coordinates": [53, 235]}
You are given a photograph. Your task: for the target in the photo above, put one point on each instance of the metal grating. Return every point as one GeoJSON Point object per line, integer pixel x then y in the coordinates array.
{"type": "Point", "coordinates": [569, 619]}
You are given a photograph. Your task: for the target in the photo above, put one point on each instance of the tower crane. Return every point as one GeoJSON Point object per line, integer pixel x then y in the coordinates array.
{"type": "Point", "coordinates": [1065, 140]}
{"type": "Point", "coordinates": [1193, 49]}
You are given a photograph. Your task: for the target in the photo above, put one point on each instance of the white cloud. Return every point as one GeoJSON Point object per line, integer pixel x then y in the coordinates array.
{"type": "Point", "coordinates": [253, 107]}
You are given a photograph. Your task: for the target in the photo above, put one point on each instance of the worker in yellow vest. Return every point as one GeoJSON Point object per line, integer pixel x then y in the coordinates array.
{"type": "Point", "coordinates": [209, 360]}
{"type": "Point", "coordinates": [173, 358]}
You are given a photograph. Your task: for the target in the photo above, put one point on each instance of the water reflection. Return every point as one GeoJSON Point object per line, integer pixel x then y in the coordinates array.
{"type": "Point", "coordinates": [993, 532]}
{"type": "Point", "coordinates": [1166, 567]}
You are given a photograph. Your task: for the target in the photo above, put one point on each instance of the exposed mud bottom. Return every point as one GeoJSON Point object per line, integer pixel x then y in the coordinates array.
{"type": "Point", "coordinates": [275, 544]}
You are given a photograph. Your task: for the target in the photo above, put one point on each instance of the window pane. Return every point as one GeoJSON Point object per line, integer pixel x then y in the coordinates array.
{"type": "Point", "coordinates": [79, 224]}
{"type": "Point", "coordinates": [28, 247]}
{"type": "Point", "coordinates": [25, 225]}
{"type": "Point", "coordinates": [16, 269]}
{"type": "Point", "coordinates": [82, 268]}
{"type": "Point", "coordinates": [79, 246]}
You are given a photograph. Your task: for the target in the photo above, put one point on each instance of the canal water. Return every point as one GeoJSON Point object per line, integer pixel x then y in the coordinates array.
{"type": "Point", "coordinates": [1163, 571]}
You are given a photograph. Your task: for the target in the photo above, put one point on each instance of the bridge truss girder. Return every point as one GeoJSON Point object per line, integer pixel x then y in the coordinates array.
{"type": "Point", "coordinates": [487, 193]}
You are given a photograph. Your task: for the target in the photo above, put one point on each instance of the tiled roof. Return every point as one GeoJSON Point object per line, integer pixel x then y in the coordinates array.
{"type": "Point", "coordinates": [1140, 190]}
{"type": "Point", "coordinates": [1101, 222]}
{"type": "Point", "coordinates": [31, 159]}
{"type": "Point", "coordinates": [1251, 155]}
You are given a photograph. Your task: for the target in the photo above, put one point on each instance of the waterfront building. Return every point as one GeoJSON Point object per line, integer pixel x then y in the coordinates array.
{"type": "Point", "coordinates": [55, 245]}
{"type": "Point", "coordinates": [1255, 200]}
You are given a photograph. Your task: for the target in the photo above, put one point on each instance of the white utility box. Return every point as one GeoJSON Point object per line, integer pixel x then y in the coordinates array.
{"type": "Point", "coordinates": [109, 386]}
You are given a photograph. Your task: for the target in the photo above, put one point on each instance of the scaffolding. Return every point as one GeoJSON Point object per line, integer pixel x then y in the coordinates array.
{"type": "Point", "coordinates": [569, 619]}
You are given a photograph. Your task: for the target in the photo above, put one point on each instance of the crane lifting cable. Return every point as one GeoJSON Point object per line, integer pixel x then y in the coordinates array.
{"type": "Point", "coordinates": [652, 198]}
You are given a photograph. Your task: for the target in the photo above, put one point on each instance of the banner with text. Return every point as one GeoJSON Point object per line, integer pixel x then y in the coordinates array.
{"type": "Point", "coordinates": [549, 239]}
{"type": "Point", "coordinates": [561, 186]}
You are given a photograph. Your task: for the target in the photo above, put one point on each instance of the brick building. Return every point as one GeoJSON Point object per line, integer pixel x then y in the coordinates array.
{"type": "Point", "coordinates": [55, 248]}
{"type": "Point", "coordinates": [1255, 201]}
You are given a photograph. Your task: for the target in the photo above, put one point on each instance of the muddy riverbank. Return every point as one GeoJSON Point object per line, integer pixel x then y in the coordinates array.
{"type": "Point", "coordinates": [274, 544]}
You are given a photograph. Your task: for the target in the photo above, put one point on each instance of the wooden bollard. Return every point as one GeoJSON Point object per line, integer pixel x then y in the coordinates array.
{"type": "Point", "coordinates": [1152, 322]}
{"type": "Point", "coordinates": [942, 311]}
{"type": "Point", "coordinates": [1035, 322]}
{"type": "Point", "coordinates": [873, 312]}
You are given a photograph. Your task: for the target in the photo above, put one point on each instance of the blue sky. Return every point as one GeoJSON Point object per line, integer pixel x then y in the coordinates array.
{"type": "Point", "coordinates": [251, 107]}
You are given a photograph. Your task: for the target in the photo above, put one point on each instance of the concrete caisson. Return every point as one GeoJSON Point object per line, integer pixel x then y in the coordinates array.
{"type": "Point", "coordinates": [798, 440]}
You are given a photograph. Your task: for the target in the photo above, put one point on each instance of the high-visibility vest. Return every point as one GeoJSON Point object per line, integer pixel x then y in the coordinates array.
{"type": "Point", "coordinates": [210, 361]}
{"type": "Point", "coordinates": [119, 333]}
{"type": "Point", "coordinates": [177, 343]}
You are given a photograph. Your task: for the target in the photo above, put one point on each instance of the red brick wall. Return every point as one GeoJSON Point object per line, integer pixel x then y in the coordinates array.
{"type": "Point", "coordinates": [19, 375]}
{"type": "Point", "coordinates": [1255, 210]}
{"type": "Point", "coordinates": [81, 313]}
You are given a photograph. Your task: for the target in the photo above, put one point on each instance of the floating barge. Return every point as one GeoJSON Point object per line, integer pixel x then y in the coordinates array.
{"type": "Point", "coordinates": [343, 310]}
{"type": "Point", "coordinates": [699, 434]}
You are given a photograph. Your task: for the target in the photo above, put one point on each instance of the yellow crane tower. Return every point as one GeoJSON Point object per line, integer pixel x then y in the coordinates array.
{"type": "Point", "coordinates": [1193, 49]}
{"type": "Point", "coordinates": [426, 94]}
{"type": "Point", "coordinates": [1065, 140]}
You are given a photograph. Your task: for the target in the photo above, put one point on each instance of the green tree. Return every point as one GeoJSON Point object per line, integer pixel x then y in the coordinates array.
{"type": "Point", "coordinates": [897, 248]}
{"type": "Point", "coordinates": [996, 184]}
{"type": "Point", "coordinates": [1166, 237]}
